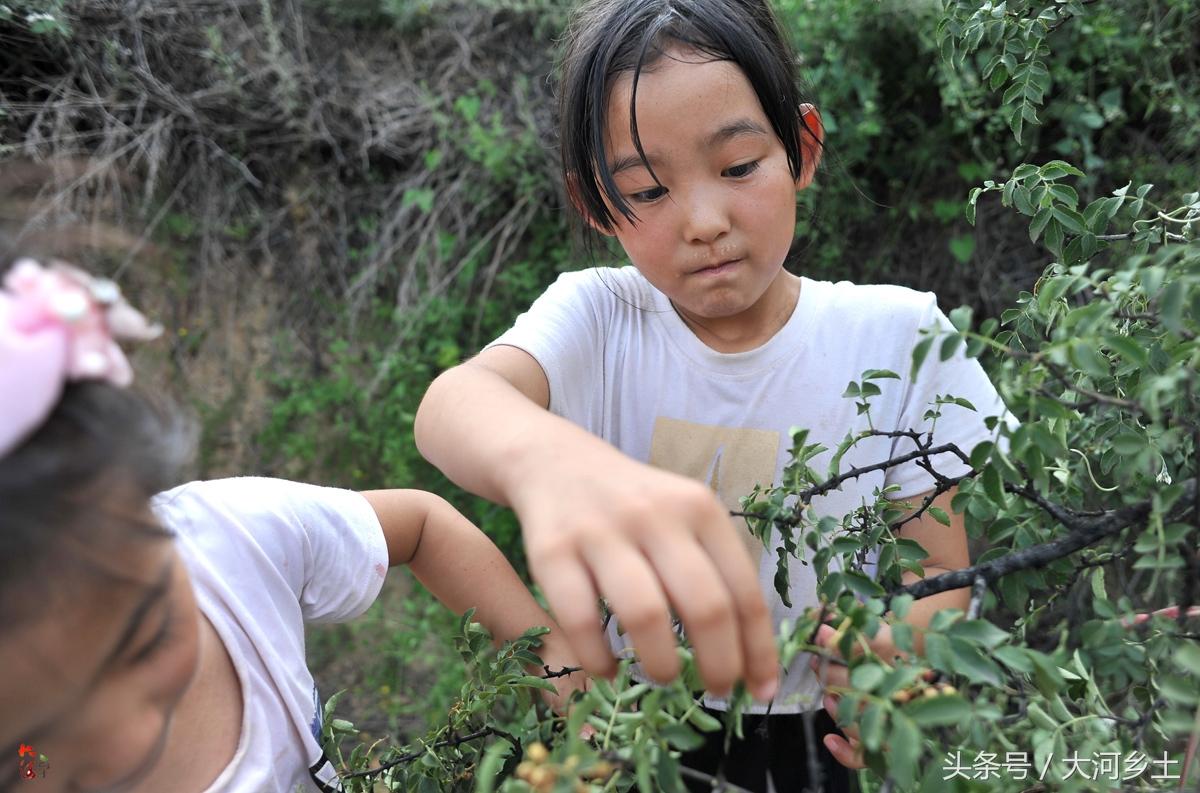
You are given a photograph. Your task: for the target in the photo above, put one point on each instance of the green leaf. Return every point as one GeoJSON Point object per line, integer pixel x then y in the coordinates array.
{"type": "Point", "coordinates": [490, 765]}
{"type": "Point", "coordinates": [960, 318]}
{"type": "Point", "coordinates": [880, 374]}
{"type": "Point", "coordinates": [1178, 690]}
{"type": "Point", "coordinates": [942, 710]}
{"type": "Point", "coordinates": [1187, 657]}
{"type": "Point", "coordinates": [860, 584]}
{"type": "Point", "coordinates": [1128, 443]}
{"type": "Point", "coordinates": [1049, 679]}
{"type": "Point", "coordinates": [1065, 194]}
{"type": "Point", "coordinates": [962, 248]}
{"type": "Point", "coordinates": [1023, 200]}
{"type": "Point", "coordinates": [1014, 658]}
{"type": "Point", "coordinates": [904, 743]}
{"type": "Point", "coordinates": [1016, 123]}
{"type": "Point", "coordinates": [993, 484]}
{"type": "Point", "coordinates": [1054, 237]}
{"type": "Point", "coordinates": [1170, 306]}
{"type": "Point", "coordinates": [704, 721]}
{"type": "Point", "coordinates": [1085, 356]}
{"type": "Point", "coordinates": [1069, 218]}
{"type": "Point", "coordinates": [920, 351]}
{"type": "Point", "coordinates": [1039, 223]}
{"type": "Point", "coordinates": [979, 632]}
{"type": "Point", "coordinates": [939, 515]}
{"type": "Point", "coordinates": [1127, 348]}
{"type": "Point", "coordinates": [1057, 169]}
{"type": "Point", "coordinates": [971, 663]}
{"type": "Point", "coordinates": [870, 728]}
{"type": "Point", "coordinates": [949, 345]}
{"type": "Point", "coordinates": [866, 677]}
{"type": "Point", "coordinates": [972, 199]}
{"type": "Point", "coordinates": [937, 650]}
{"type": "Point", "coordinates": [682, 737]}
{"type": "Point", "coordinates": [980, 455]}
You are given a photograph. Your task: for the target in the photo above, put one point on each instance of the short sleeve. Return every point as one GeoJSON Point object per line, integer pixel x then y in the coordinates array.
{"type": "Point", "coordinates": [563, 331]}
{"type": "Point", "coordinates": [326, 544]}
{"type": "Point", "coordinates": [957, 376]}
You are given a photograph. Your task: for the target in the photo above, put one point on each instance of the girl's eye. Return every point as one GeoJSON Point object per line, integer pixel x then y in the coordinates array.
{"type": "Point", "coordinates": [160, 640]}
{"type": "Point", "coordinates": [646, 196]}
{"type": "Point", "coordinates": [745, 169]}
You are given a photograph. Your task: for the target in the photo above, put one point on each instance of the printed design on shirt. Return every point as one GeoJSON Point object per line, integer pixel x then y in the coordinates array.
{"type": "Point", "coordinates": [731, 460]}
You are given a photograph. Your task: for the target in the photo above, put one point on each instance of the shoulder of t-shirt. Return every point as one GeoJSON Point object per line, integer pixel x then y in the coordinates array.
{"type": "Point", "coordinates": [611, 287]}
{"type": "Point", "coordinates": [889, 304]}
{"type": "Point", "coordinates": [258, 514]}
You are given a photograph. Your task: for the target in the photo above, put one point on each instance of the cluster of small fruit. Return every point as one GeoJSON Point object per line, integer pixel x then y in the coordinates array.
{"type": "Point", "coordinates": [543, 775]}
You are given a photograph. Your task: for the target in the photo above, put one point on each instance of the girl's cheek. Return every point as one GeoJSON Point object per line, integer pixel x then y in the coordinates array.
{"type": "Point", "coordinates": [129, 758]}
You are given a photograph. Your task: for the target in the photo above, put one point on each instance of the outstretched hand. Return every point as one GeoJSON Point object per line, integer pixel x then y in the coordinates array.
{"type": "Point", "coordinates": [648, 541]}
{"type": "Point", "coordinates": [598, 523]}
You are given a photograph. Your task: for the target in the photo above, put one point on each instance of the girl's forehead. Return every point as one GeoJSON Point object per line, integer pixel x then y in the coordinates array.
{"type": "Point", "coordinates": [687, 95]}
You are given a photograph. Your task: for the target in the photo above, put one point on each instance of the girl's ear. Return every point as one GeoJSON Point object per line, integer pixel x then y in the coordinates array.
{"type": "Point", "coordinates": [573, 195]}
{"type": "Point", "coordinates": [812, 144]}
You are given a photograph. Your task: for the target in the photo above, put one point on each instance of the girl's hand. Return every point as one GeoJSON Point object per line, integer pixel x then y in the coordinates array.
{"type": "Point", "coordinates": [598, 523]}
{"type": "Point", "coordinates": [834, 674]}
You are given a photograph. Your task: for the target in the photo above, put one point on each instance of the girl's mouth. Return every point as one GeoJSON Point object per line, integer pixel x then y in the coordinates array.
{"type": "Point", "coordinates": [719, 268]}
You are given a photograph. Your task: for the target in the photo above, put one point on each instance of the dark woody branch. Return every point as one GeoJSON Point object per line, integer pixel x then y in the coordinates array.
{"type": "Point", "coordinates": [483, 733]}
{"type": "Point", "coordinates": [923, 452]}
{"type": "Point", "coordinates": [1084, 528]}
{"type": "Point", "coordinates": [1084, 532]}
{"type": "Point", "coordinates": [408, 758]}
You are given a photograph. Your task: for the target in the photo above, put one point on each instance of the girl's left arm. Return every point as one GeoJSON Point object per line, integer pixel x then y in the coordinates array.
{"type": "Point", "coordinates": [464, 569]}
{"type": "Point", "coordinates": [948, 551]}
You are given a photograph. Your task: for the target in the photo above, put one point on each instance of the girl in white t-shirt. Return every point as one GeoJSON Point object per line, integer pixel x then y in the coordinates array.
{"type": "Point", "coordinates": [617, 405]}
{"type": "Point", "coordinates": [156, 642]}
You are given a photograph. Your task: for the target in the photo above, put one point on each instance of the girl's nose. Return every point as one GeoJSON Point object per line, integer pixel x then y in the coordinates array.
{"type": "Point", "coordinates": [706, 219]}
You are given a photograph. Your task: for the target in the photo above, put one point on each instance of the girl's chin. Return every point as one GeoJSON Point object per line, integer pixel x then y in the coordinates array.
{"type": "Point", "coordinates": [130, 779]}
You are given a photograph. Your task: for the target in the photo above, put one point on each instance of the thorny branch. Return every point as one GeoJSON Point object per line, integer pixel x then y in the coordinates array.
{"type": "Point", "coordinates": [1084, 532]}
{"type": "Point", "coordinates": [1084, 528]}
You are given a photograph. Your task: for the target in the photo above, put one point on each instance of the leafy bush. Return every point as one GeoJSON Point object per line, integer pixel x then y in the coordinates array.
{"type": "Point", "coordinates": [394, 159]}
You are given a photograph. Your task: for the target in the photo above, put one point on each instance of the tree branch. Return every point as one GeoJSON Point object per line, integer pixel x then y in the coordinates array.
{"type": "Point", "coordinates": [1085, 532]}
{"type": "Point", "coordinates": [408, 758]}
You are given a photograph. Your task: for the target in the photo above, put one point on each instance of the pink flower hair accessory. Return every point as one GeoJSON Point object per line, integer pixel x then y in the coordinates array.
{"type": "Point", "coordinates": [58, 324]}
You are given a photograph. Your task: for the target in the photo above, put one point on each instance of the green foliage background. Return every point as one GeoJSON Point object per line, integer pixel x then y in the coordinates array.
{"type": "Point", "coordinates": [369, 189]}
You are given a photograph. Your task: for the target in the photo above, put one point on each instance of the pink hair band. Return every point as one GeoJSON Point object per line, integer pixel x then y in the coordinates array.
{"type": "Point", "coordinates": [57, 325]}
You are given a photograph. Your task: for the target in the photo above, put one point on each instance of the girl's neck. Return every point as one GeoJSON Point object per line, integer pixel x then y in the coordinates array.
{"type": "Point", "coordinates": [753, 327]}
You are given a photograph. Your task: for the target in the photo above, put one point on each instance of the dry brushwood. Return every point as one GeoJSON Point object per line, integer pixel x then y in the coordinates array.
{"type": "Point", "coordinates": [289, 144]}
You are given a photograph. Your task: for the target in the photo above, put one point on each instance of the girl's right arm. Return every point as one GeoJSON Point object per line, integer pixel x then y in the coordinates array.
{"type": "Point", "coordinates": [596, 522]}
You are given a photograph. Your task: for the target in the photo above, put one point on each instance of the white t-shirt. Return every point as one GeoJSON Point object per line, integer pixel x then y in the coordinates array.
{"type": "Point", "coordinates": [622, 364]}
{"type": "Point", "coordinates": [265, 556]}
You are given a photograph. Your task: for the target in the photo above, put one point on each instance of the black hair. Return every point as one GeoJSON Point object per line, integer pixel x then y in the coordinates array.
{"type": "Point", "coordinates": [607, 38]}
{"type": "Point", "coordinates": [84, 477]}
